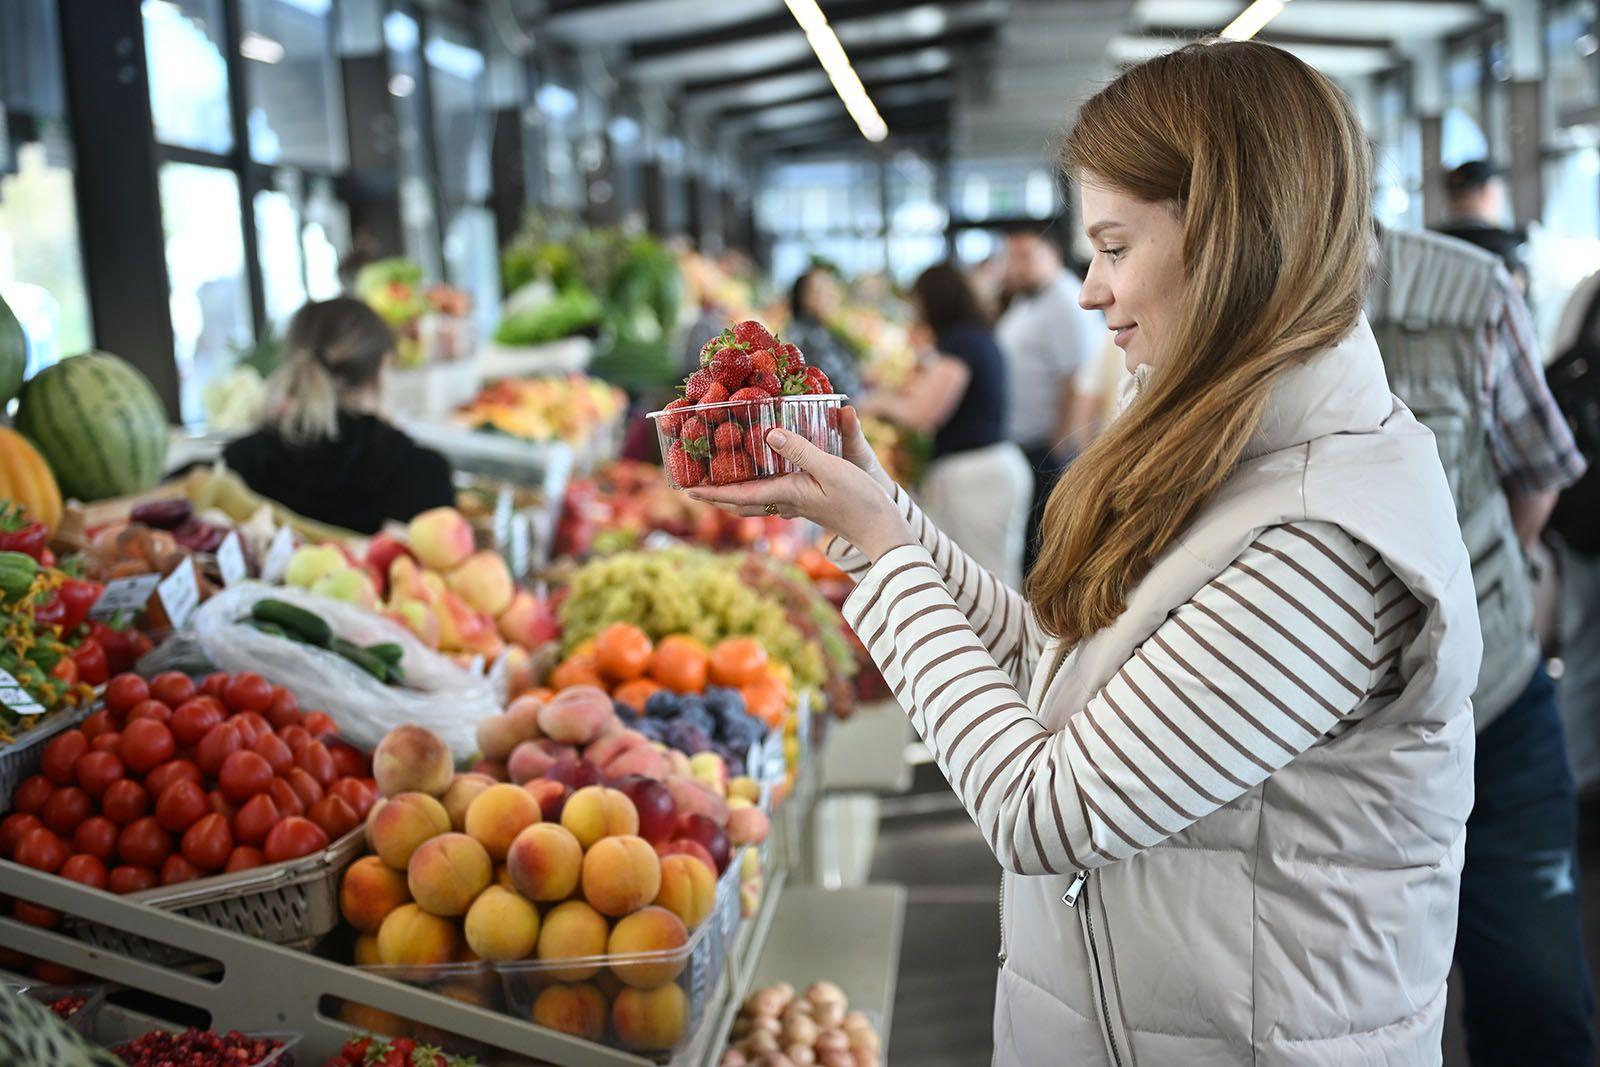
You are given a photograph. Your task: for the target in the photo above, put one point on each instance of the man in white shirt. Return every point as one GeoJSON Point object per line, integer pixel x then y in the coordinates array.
{"type": "Point", "coordinates": [1046, 338]}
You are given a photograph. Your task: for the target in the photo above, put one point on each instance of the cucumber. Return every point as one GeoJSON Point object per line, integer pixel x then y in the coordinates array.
{"type": "Point", "coordinates": [270, 628]}
{"type": "Point", "coordinates": [300, 623]}
{"type": "Point", "coordinates": [361, 657]}
{"type": "Point", "coordinates": [388, 651]}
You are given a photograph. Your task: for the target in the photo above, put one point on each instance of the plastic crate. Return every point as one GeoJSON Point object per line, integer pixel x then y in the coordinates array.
{"type": "Point", "coordinates": [81, 1021]}
{"type": "Point", "coordinates": [20, 758]}
{"type": "Point", "coordinates": [292, 903]}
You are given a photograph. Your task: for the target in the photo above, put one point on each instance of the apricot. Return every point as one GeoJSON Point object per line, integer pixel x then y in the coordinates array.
{"type": "Point", "coordinates": [365, 1017]}
{"type": "Point", "coordinates": [497, 735]}
{"type": "Point", "coordinates": [747, 826]}
{"type": "Point", "coordinates": [411, 936]}
{"type": "Point", "coordinates": [744, 787]}
{"type": "Point", "coordinates": [688, 889]}
{"type": "Point", "coordinates": [595, 812]}
{"type": "Point", "coordinates": [500, 925]}
{"type": "Point", "coordinates": [366, 951]}
{"type": "Point", "coordinates": [441, 538]}
{"type": "Point", "coordinates": [498, 814]}
{"type": "Point", "coordinates": [484, 582]}
{"type": "Point", "coordinates": [523, 713]}
{"type": "Point", "coordinates": [620, 874]}
{"type": "Point", "coordinates": [398, 825]}
{"type": "Point", "coordinates": [371, 889]}
{"type": "Point", "coordinates": [528, 761]}
{"type": "Point", "coordinates": [651, 1020]}
{"type": "Point", "coordinates": [545, 862]}
{"type": "Point", "coordinates": [572, 931]}
{"type": "Point", "coordinates": [463, 789]}
{"type": "Point", "coordinates": [648, 930]}
{"type": "Point", "coordinates": [502, 877]}
{"type": "Point", "coordinates": [578, 715]}
{"type": "Point", "coordinates": [411, 759]}
{"type": "Point", "coordinates": [447, 872]}
{"type": "Point", "coordinates": [643, 760]}
{"type": "Point", "coordinates": [578, 1009]}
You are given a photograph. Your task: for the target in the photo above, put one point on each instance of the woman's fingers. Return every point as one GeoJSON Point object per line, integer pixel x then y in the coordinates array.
{"type": "Point", "coordinates": [756, 494]}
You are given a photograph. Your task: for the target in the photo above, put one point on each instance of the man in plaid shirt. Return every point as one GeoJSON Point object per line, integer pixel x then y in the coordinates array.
{"type": "Point", "coordinates": [1456, 336]}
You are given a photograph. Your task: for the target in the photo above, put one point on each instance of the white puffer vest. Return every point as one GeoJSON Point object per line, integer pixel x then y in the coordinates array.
{"type": "Point", "coordinates": [1311, 921]}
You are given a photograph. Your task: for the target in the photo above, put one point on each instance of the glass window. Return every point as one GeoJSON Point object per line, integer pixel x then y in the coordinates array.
{"type": "Point", "coordinates": [998, 190]}
{"type": "Point", "coordinates": [1565, 249]}
{"type": "Point", "coordinates": [41, 273]}
{"type": "Point", "coordinates": [458, 85]}
{"type": "Point", "coordinates": [184, 49]}
{"type": "Point", "coordinates": [296, 110]}
{"type": "Point", "coordinates": [418, 217]}
{"type": "Point", "coordinates": [210, 300]}
{"type": "Point", "coordinates": [1572, 84]}
{"type": "Point", "coordinates": [278, 243]}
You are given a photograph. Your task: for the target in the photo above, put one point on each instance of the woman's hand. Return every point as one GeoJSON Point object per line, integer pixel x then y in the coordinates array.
{"type": "Point", "coordinates": [839, 494]}
{"type": "Point", "coordinates": [857, 451]}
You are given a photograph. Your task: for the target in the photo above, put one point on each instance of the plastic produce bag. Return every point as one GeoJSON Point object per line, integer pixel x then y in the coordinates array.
{"type": "Point", "coordinates": [439, 695]}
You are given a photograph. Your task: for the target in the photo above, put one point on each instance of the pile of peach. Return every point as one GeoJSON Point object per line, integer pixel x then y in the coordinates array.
{"type": "Point", "coordinates": [776, 1028]}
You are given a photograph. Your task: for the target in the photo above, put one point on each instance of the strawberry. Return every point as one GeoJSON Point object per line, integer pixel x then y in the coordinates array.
{"type": "Point", "coordinates": [715, 394]}
{"type": "Point", "coordinates": [684, 464]}
{"type": "Point", "coordinates": [721, 341]}
{"type": "Point", "coordinates": [730, 437]}
{"type": "Point", "coordinates": [751, 393]}
{"type": "Point", "coordinates": [753, 335]}
{"type": "Point", "coordinates": [672, 424]}
{"type": "Point", "coordinates": [769, 384]}
{"type": "Point", "coordinates": [694, 390]}
{"type": "Point", "coordinates": [730, 467]}
{"type": "Point", "coordinates": [817, 382]}
{"type": "Point", "coordinates": [764, 361]}
{"type": "Point", "coordinates": [792, 358]}
{"type": "Point", "coordinates": [355, 1050]}
{"type": "Point", "coordinates": [694, 428]}
{"type": "Point", "coordinates": [730, 368]}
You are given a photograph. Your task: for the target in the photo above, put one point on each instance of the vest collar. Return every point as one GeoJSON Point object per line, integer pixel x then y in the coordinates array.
{"type": "Point", "coordinates": [1342, 389]}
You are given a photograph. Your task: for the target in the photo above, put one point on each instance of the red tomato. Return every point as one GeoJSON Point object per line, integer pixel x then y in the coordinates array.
{"type": "Point", "coordinates": [353, 793]}
{"type": "Point", "coordinates": [292, 838]}
{"type": "Point", "coordinates": [97, 724]}
{"type": "Point", "coordinates": [12, 828]}
{"type": "Point", "coordinates": [41, 850]}
{"type": "Point", "coordinates": [66, 808]}
{"type": "Point", "coordinates": [54, 973]}
{"type": "Point", "coordinates": [177, 868]}
{"type": "Point", "coordinates": [174, 770]}
{"type": "Point", "coordinates": [194, 717]}
{"type": "Point", "coordinates": [96, 835]}
{"type": "Point", "coordinates": [144, 842]}
{"type": "Point", "coordinates": [307, 788]}
{"type": "Point", "coordinates": [284, 709]}
{"type": "Point", "coordinates": [34, 914]}
{"type": "Point", "coordinates": [275, 750]}
{"type": "Point", "coordinates": [107, 742]}
{"type": "Point", "coordinates": [124, 801]}
{"type": "Point", "coordinates": [221, 804]}
{"type": "Point", "coordinates": [318, 723]}
{"type": "Point", "coordinates": [181, 805]}
{"type": "Point", "coordinates": [247, 691]}
{"type": "Point", "coordinates": [131, 879]}
{"type": "Point", "coordinates": [87, 868]}
{"type": "Point", "coordinates": [218, 743]}
{"type": "Point", "coordinates": [258, 722]}
{"type": "Point", "coordinates": [61, 754]}
{"type": "Point", "coordinates": [244, 774]}
{"type": "Point", "coordinates": [96, 771]}
{"type": "Point", "coordinates": [244, 858]}
{"type": "Point", "coordinates": [172, 688]}
{"type": "Point", "coordinates": [31, 793]}
{"type": "Point", "coordinates": [317, 761]}
{"type": "Point", "coordinates": [255, 820]}
{"type": "Point", "coordinates": [123, 692]}
{"type": "Point", "coordinates": [146, 744]}
{"type": "Point", "coordinates": [149, 709]}
{"type": "Point", "coordinates": [348, 761]}
{"type": "Point", "coordinates": [245, 728]}
{"type": "Point", "coordinates": [285, 798]}
{"type": "Point", "coordinates": [213, 684]}
{"type": "Point", "coordinates": [207, 843]}
{"type": "Point", "coordinates": [297, 737]}
{"type": "Point", "coordinates": [336, 817]}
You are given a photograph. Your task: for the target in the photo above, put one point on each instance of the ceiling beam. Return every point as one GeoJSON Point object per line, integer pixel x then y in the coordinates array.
{"type": "Point", "coordinates": [902, 121]}
{"type": "Point", "coordinates": [976, 36]}
{"type": "Point", "coordinates": [1267, 36]}
{"type": "Point", "coordinates": [778, 23]}
{"type": "Point", "coordinates": [873, 89]}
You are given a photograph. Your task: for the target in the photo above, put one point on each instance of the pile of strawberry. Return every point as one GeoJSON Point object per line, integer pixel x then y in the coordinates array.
{"type": "Point", "coordinates": [743, 364]}
{"type": "Point", "coordinates": [367, 1051]}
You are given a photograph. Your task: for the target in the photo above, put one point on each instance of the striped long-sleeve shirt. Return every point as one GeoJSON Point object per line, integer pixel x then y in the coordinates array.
{"type": "Point", "coordinates": [1294, 642]}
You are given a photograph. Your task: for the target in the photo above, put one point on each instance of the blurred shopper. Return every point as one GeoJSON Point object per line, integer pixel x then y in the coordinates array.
{"type": "Point", "coordinates": [1224, 746]}
{"type": "Point", "coordinates": [1574, 379]}
{"type": "Point", "coordinates": [978, 486]}
{"type": "Point", "coordinates": [1458, 343]}
{"type": "Point", "coordinates": [324, 451]}
{"type": "Point", "coordinates": [1479, 209]}
{"type": "Point", "coordinates": [1046, 336]}
{"type": "Point", "coordinates": [815, 302]}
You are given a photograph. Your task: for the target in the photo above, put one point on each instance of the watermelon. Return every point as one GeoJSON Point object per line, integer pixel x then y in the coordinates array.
{"type": "Point", "coordinates": [13, 353]}
{"type": "Point", "coordinates": [98, 423]}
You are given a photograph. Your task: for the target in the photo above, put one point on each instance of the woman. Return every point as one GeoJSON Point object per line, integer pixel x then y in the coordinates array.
{"type": "Point", "coordinates": [323, 451]}
{"type": "Point", "coordinates": [813, 303]}
{"type": "Point", "coordinates": [978, 486]}
{"type": "Point", "coordinates": [1224, 747]}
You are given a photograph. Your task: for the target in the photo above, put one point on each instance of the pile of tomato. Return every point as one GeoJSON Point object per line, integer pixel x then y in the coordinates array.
{"type": "Point", "coordinates": [172, 781]}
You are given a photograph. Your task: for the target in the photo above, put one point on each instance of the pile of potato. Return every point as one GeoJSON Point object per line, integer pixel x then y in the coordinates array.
{"type": "Point", "coordinates": [776, 1028]}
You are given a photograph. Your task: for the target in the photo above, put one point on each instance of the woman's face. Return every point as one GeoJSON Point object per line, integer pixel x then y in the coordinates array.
{"type": "Point", "coordinates": [822, 295]}
{"type": "Point", "coordinates": [1136, 277]}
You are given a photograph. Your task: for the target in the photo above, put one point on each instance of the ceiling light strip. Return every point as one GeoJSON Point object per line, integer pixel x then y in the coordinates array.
{"type": "Point", "coordinates": [1252, 19]}
{"type": "Point", "coordinates": [830, 53]}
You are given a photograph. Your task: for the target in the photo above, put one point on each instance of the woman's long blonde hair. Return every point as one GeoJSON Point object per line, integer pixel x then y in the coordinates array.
{"type": "Point", "coordinates": [333, 350]}
{"type": "Point", "coordinates": [1267, 166]}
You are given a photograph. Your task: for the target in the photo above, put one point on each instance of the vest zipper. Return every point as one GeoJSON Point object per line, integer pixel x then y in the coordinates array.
{"type": "Point", "coordinates": [1001, 958]}
{"type": "Point", "coordinates": [1099, 976]}
{"type": "Point", "coordinates": [1055, 668]}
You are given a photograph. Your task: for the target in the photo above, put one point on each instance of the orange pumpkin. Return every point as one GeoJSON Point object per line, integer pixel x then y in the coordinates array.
{"type": "Point", "coordinates": [26, 479]}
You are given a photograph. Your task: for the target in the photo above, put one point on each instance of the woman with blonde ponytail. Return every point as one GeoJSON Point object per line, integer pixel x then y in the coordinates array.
{"type": "Point", "coordinates": [1223, 746]}
{"type": "Point", "coordinates": [323, 451]}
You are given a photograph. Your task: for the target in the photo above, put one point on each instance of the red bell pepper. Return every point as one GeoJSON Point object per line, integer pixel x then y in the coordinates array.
{"type": "Point", "coordinates": [122, 645]}
{"type": "Point", "coordinates": [70, 606]}
{"type": "Point", "coordinates": [19, 533]}
{"type": "Point", "coordinates": [65, 670]}
{"type": "Point", "coordinates": [90, 657]}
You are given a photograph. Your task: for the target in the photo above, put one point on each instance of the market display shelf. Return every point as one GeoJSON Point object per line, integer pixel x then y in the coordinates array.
{"type": "Point", "coordinates": [866, 753]}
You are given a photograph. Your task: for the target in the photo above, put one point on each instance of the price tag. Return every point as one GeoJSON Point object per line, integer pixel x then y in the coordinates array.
{"type": "Point", "coordinates": [278, 556]}
{"type": "Point", "coordinates": [230, 559]}
{"type": "Point", "coordinates": [125, 594]}
{"type": "Point", "coordinates": [180, 594]}
{"type": "Point", "coordinates": [18, 699]}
